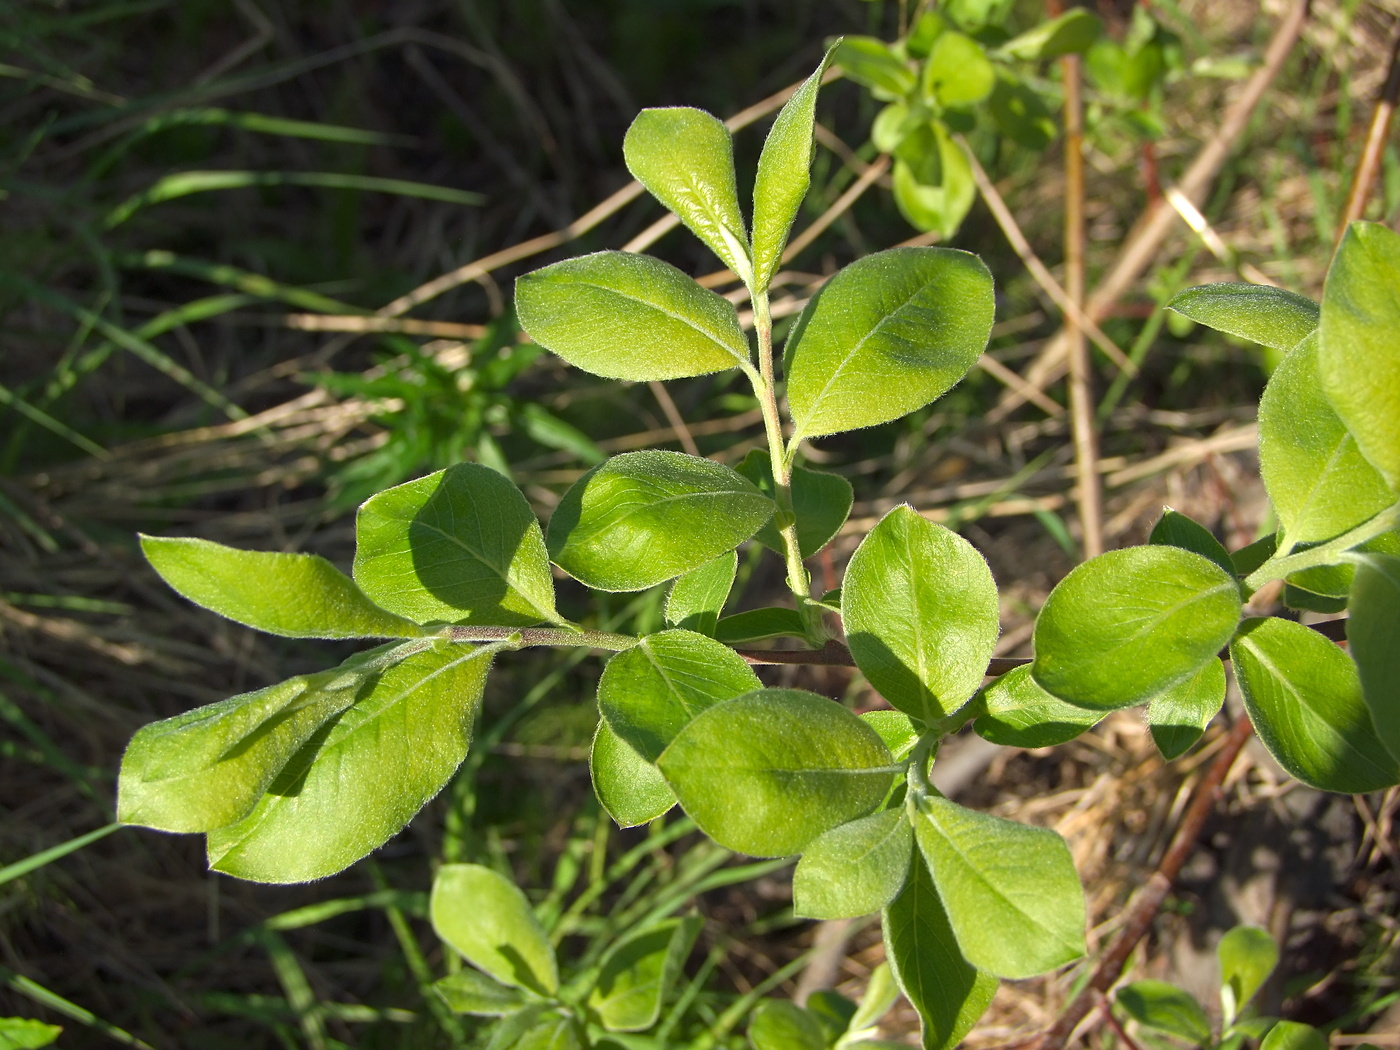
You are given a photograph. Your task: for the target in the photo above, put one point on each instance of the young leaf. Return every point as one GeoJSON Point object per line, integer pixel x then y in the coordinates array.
{"type": "Point", "coordinates": [1303, 695]}
{"type": "Point", "coordinates": [821, 502]}
{"type": "Point", "coordinates": [294, 595]}
{"type": "Point", "coordinates": [1011, 892]}
{"type": "Point", "coordinates": [363, 775]}
{"type": "Point", "coordinates": [1356, 354]}
{"type": "Point", "coordinates": [484, 916]}
{"type": "Point", "coordinates": [1372, 635]}
{"type": "Point", "coordinates": [696, 599]}
{"type": "Point", "coordinates": [886, 335]}
{"type": "Point", "coordinates": [1318, 481]}
{"type": "Point", "coordinates": [939, 207]}
{"type": "Point", "coordinates": [645, 517]}
{"type": "Point", "coordinates": [755, 625]}
{"type": "Point", "coordinates": [1166, 1008]}
{"type": "Point", "coordinates": [957, 73]}
{"type": "Point", "coordinates": [650, 692]}
{"type": "Point", "coordinates": [460, 546]}
{"type": "Point", "coordinates": [768, 772]}
{"type": "Point", "coordinates": [1132, 623]}
{"type": "Point", "coordinates": [207, 768]}
{"type": "Point", "coordinates": [1247, 956]}
{"type": "Point", "coordinates": [948, 993]}
{"type": "Point", "coordinates": [895, 729]}
{"type": "Point", "coordinates": [1018, 713]}
{"type": "Point", "coordinates": [628, 316]}
{"type": "Point", "coordinates": [881, 991]}
{"type": "Point", "coordinates": [636, 972]}
{"type": "Point", "coordinates": [921, 614]}
{"type": "Point", "coordinates": [1178, 717]}
{"type": "Point", "coordinates": [1071, 33]}
{"type": "Point", "coordinates": [869, 61]}
{"type": "Point", "coordinates": [854, 869]}
{"type": "Point", "coordinates": [781, 1025]}
{"type": "Point", "coordinates": [1174, 529]}
{"type": "Point", "coordinates": [784, 173]}
{"type": "Point", "coordinates": [1290, 1035]}
{"type": "Point", "coordinates": [685, 157]}
{"type": "Point", "coordinates": [630, 788]}
{"type": "Point", "coordinates": [471, 992]}
{"type": "Point", "coordinates": [1271, 317]}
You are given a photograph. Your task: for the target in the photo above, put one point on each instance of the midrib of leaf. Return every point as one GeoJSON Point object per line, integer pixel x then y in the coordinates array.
{"type": "Point", "coordinates": [617, 514]}
{"type": "Point", "coordinates": [668, 313]}
{"type": "Point", "coordinates": [1156, 620]}
{"type": "Point", "coordinates": [504, 573]}
{"type": "Point", "coordinates": [939, 987]}
{"type": "Point", "coordinates": [1301, 518]}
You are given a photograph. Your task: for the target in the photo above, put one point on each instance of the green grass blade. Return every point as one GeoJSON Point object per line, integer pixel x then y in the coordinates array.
{"type": "Point", "coordinates": [245, 281]}
{"type": "Point", "coordinates": [21, 868]}
{"type": "Point", "coordinates": [41, 995]}
{"type": "Point", "coordinates": [34, 415]}
{"type": "Point", "coordinates": [297, 989]}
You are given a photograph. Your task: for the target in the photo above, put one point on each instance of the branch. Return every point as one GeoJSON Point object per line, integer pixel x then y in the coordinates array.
{"type": "Point", "coordinates": [1370, 163]}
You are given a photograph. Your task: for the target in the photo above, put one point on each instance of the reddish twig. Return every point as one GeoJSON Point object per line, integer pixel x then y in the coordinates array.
{"type": "Point", "coordinates": [1370, 163]}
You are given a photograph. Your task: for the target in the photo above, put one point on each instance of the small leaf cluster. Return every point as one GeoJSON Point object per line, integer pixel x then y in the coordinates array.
{"type": "Point", "coordinates": [829, 1021]}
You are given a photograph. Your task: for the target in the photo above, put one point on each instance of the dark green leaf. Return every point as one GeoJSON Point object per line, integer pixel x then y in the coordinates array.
{"type": "Point", "coordinates": [1071, 33]}
{"type": "Point", "coordinates": [886, 335]}
{"type": "Point", "coordinates": [629, 316]}
{"type": "Point", "coordinates": [768, 772]}
{"type": "Point", "coordinates": [1165, 1008]}
{"type": "Point", "coordinates": [1247, 559]}
{"type": "Point", "coordinates": [1133, 623]}
{"type": "Point", "coordinates": [1304, 696]}
{"type": "Point", "coordinates": [646, 517]}
{"type": "Point", "coordinates": [921, 614]}
{"type": "Point", "coordinates": [947, 991]}
{"type": "Point", "coordinates": [484, 916]}
{"type": "Point", "coordinates": [1298, 598]}
{"type": "Point", "coordinates": [1011, 892]}
{"type": "Point", "coordinates": [637, 971]}
{"type": "Point", "coordinates": [364, 774]}
{"type": "Point", "coordinates": [1373, 635]}
{"type": "Point", "coordinates": [871, 62]}
{"type": "Point", "coordinates": [1018, 713]}
{"type": "Point", "coordinates": [650, 692]}
{"type": "Point", "coordinates": [854, 869]}
{"type": "Point", "coordinates": [1178, 717]}
{"type": "Point", "coordinates": [821, 503]}
{"type": "Point", "coordinates": [757, 624]}
{"type": "Point", "coordinates": [696, 599]}
{"type": "Point", "coordinates": [781, 1025]}
{"type": "Point", "coordinates": [1021, 114]}
{"type": "Point", "coordinates": [1269, 316]}
{"type": "Point", "coordinates": [461, 546]}
{"type": "Point", "coordinates": [957, 72]}
{"type": "Point", "coordinates": [1247, 956]}
{"type": "Point", "coordinates": [294, 595]}
{"type": "Point", "coordinates": [1174, 529]}
{"type": "Point", "coordinates": [472, 992]}
{"type": "Point", "coordinates": [630, 788]}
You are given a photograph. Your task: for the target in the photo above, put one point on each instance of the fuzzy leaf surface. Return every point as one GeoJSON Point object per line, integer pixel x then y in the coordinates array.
{"type": "Point", "coordinates": [821, 502]}
{"type": "Point", "coordinates": [1178, 717]}
{"type": "Point", "coordinates": [696, 599]}
{"type": "Point", "coordinates": [1373, 636]}
{"type": "Point", "coordinates": [1016, 712]}
{"type": "Point", "coordinates": [630, 788]}
{"type": "Point", "coordinates": [854, 869]}
{"type": "Point", "coordinates": [485, 917]}
{"type": "Point", "coordinates": [1268, 316]}
{"type": "Point", "coordinates": [636, 972]}
{"type": "Point", "coordinates": [1174, 529]}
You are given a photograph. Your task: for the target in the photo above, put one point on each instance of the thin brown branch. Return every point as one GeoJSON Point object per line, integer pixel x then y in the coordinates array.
{"type": "Point", "coordinates": [674, 417]}
{"type": "Point", "coordinates": [838, 208]}
{"type": "Point", "coordinates": [1369, 166]}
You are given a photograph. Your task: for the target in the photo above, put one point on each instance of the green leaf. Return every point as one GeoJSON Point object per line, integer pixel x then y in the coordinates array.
{"type": "Point", "coordinates": [1174, 529]}
{"type": "Point", "coordinates": [1356, 354]}
{"type": "Point", "coordinates": [685, 158]}
{"type": "Point", "coordinates": [853, 869]}
{"type": "Point", "coordinates": [1251, 557]}
{"type": "Point", "coordinates": [207, 768]}
{"type": "Point", "coordinates": [957, 73]}
{"type": "Point", "coordinates": [1165, 1008]}
{"type": "Point", "coordinates": [1018, 713]}
{"type": "Point", "coordinates": [364, 774]}
{"type": "Point", "coordinates": [755, 625]}
{"type": "Point", "coordinates": [460, 545]}
{"type": "Point", "coordinates": [1299, 598]}
{"type": "Point", "coordinates": [637, 971]}
{"type": "Point", "coordinates": [781, 1025]}
{"type": "Point", "coordinates": [784, 174]}
{"type": "Point", "coordinates": [646, 517]}
{"type": "Point", "coordinates": [1130, 624]}
{"type": "Point", "coordinates": [948, 993]}
{"type": "Point", "coordinates": [921, 614]}
{"type": "Point", "coordinates": [881, 991]}
{"type": "Point", "coordinates": [1247, 956]}
{"type": "Point", "coordinates": [22, 1033]}
{"type": "Point", "coordinates": [768, 772]}
{"type": "Point", "coordinates": [1290, 1035]}
{"type": "Point", "coordinates": [1072, 33]}
{"type": "Point", "coordinates": [1373, 636]}
{"type": "Point", "coordinates": [1020, 113]}
{"type": "Point", "coordinates": [886, 335]}
{"type": "Point", "coordinates": [895, 729]}
{"type": "Point", "coordinates": [696, 599]}
{"type": "Point", "coordinates": [833, 1010]}
{"type": "Point", "coordinates": [650, 692]}
{"type": "Point", "coordinates": [871, 62]}
{"type": "Point", "coordinates": [1317, 479]}
{"type": "Point", "coordinates": [1178, 717]}
{"type": "Point", "coordinates": [294, 595]}
{"type": "Point", "coordinates": [630, 788]}
{"type": "Point", "coordinates": [938, 207]}
{"type": "Point", "coordinates": [628, 316]}
{"type": "Point", "coordinates": [507, 1034]}
{"type": "Point", "coordinates": [1303, 695]}
{"type": "Point", "coordinates": [821, 502]}
{"type": "Point", "coordinates": [1011, 892]}
{"type": "Point", "coordinates": [1268, 316]}
{"type": "Point", "coordinates": [555, 1032]}
{"type": "Point", "coordinates": [485, 917]}
{"type": "Point", "coordinates": [472, 992]}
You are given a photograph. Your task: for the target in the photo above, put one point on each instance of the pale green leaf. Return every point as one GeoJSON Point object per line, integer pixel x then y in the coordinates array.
{"type": "Point", "coordinates": [460, 546]}
{"type": "Point", "coordinates": [364, 774]}
{"type": "Point", "coordinates": [1165, 1008]}
{"type": "Point", "coordinates": [650, 692]}
{"type": "Point", "coordinates": [921, 614]}
{"type": "Point", "coordinates": [958, 72]}
{"type": "Point", "coordinates": [630, 788]}
{"type": "Point", "coordinates": [1174, 529]}
{"type": "Point", "coordinates": [1268, 316]}
{"type": "Point", "coordinates": [645, 517]}
{"type": "Point", "coordinates": [1178, 717]}
{"type": "Point", "coordinates": [1247, 956]}
{"type": "Point", "coordinates": [1290, 1035]}
{"type": "Point", "coordinates": [1303, 695]}
{"type": "Point", "coordinates": [947, 991]}
{"type": "Point", "coordinates": [1015, 712]}
{"type": "Point", "coordinates": [22, 1033]}
{"type": "Point", "coordinates": [294, 595]}
{"type": "Point", "coordinates": [470, 991]}
{"type": "Point", "coordinates": [941, 206]}
{"type": "Point", "coordinates": [1132, 623]}
{"type": "Point", "coordinates": [636, 973]}
{"type": "Point", "coordinates": [485, 917]}
{"type": "Point", "coordinates": [777, 1024]}
{"type": "Point", "coordinates": [895, 729]}
{"type": "Point", "coordinates": [871, 62]}
{"type": "Point", "coordinates": [854, 869]}
{"type": "Point", "coordinates": [821, 502]}
{"type": "Point", "coordinates": [1071, 33]}
{"type": "Point", "coordinates": [555, 1032]}
{"type": "Point", "coordinates": [1373, 636]}
{"type": "Point", "coordinates": [1010, 890]}
{"type": "Point", "coordinates": [696, 599]}
{"type": "Point", "coordinates": [685, 158]}
{"type": "Point", "coordinates": [1358, 357]}
{"type": "Point", "coordinates": [629, 316]}
{"type": "Point", "coordinates": [886, 335]}
{"type": "Point", "coordinates": [768, 772]}
{"type": "Point", "coordinates": [881, 992]}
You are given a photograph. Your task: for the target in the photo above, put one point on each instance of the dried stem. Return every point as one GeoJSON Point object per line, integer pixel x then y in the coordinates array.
{"type": "Point", "coordinates": [1370, 163]}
